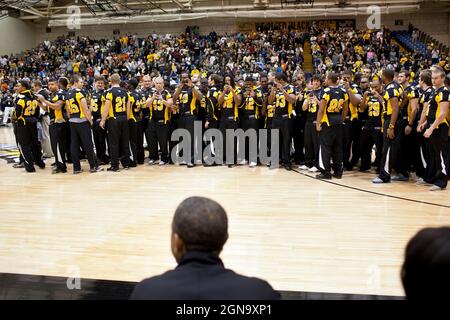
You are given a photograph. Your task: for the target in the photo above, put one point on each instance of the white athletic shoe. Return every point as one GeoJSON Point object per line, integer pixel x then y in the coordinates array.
{"type": "Point", "coordinates": [253, 164]}
{"type": "Point", "coordinates": [313, 169]}
{"type": "Point", "coordinates": [161, 163]}
{"type": "Point", "coordinates": [183, 163]}
{"type": "Point", "coordinates": [243, 162]}
{"type": "Point", "coordinates": [420, 181]}
{"type": "Point", "coordinates": [377, 180]}
{"type": "Point", "coordinates": [436, 188]}
{"type": "Point", "coordinates": [303, 167]}
{"type": "Point", "coordinates": [151, 162]}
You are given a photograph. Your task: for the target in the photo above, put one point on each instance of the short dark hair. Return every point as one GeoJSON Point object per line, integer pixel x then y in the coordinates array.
{"type": "Point", "coordinates": [37, 83]}
{"type": "Point", "coordinates": [347, 72]}
{"type": "Point", "coordinates": [133, 83]}
{"type": "Point", "coordinates": [406, 72]}
{"type": "Point", "coordinates": [25, 84]}
{"type": "Point", "coordinates": [425, 76]}
{"type": "Point", "coordinates": [333, 77]}
{"type": "Point", "coordinates": [425, 271]}
{"type": "Point", "coordinates": [389, 73]}
{"type": "Point", "coordinates": [316, 77]}
{"type": "Point", "coordinates": [202, 224]}
{"type": "Point", "coordinates": [75, 78]}
{"type": "Point", "coordinates": [99, 78]}
{"type": "Point", "coordinates": [63, 82]}
{"type": "Point", "coordinates": [216, 78]}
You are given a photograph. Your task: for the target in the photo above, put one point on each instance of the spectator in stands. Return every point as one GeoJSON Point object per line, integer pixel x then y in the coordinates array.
{"type": "Point", "coordinates": [426, 268]}
{"type": "Point", "coordinates": [199, 232]}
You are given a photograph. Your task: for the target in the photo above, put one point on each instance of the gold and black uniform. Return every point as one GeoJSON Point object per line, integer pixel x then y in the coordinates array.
{"type": "Point", "coordinates": [331, 136]}
{"type": "Point", "coordinates": [188, 110]}
{"type": "Point", "coordinates": [251, 112]}
{"type": "Point", "coordinates": [311, 136]}
{"type": "Point", "coordinates": [25, 105]}
{"type": "Point", "coordinates": [58, 129]}
{"type": "Point", "coordinates": [145, 94]}
{"type": "Point", "coordinates": [282, 121]}
{"type": "Point", "coordinates": [212, 117]}
{"type": "Point", "coordinates": [134, 126]}
{"type": "Point", "coordinates": [212, 109]}
{"type": "Point", "coordinates": [371, 133]}
{"type": "Point", "coordinates": [439, 137]}
{"type": "Point", "coordinates": [100, 136]}
{"type": "Point", "coordinates": [159, 128]}
{"type": "Point", "coordinates": [352, 132]}
{"type": "Point", "coordinates": [229, 116]}
{"type": "Point", "coordinates": [409, 150]}
{"type": "Point", "coordinates": [80, 130]}
{"type": "Point", "coordinates": [118, 133]}
{"type": "Point", "coordinates": [298, 127]}
{"type": "Point", "coordinates": [391, 148]}
{"type": "Point", "coordinates": [424, 168]}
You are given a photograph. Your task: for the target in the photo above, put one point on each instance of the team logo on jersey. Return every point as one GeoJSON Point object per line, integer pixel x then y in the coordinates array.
{"type": "Point", "coordinates": [9, 153]}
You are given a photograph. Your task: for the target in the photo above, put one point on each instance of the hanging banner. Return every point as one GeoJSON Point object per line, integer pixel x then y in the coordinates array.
{"type": "Point", "coordinates": [295, 25]}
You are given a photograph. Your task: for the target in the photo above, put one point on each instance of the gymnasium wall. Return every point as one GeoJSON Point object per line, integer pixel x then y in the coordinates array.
{"type": "Point", "coordinates": [16, 35]}
{"type": "Point", "coordinates": [435, 24]}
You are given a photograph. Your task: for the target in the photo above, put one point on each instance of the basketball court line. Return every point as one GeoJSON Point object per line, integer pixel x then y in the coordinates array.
{"type": "Point", "coordinates": [374, 192]}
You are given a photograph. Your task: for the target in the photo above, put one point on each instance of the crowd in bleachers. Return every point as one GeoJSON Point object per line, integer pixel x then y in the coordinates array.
{"type": "Point", "coordinates": [247, 81]}
{"type": "Point", "coordinates": [131, 56]}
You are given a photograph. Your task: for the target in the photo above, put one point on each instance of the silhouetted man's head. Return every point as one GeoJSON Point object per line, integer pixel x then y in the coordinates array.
{"type": "Point", "coordinates": [199, 224]}
{"type": "Point", "coordinates": [426, 269]}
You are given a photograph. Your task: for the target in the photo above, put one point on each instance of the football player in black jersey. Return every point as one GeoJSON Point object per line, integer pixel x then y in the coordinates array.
{"type": "Point", "coordinates": [391, 128]}
{"type": "Point", "coordinates": [437, 129]}
{"type": "Point", "coordinates": [188, 98]}
{"type": "Point", "coordinates": [311, 102]}
{"type": "Point", "coordinates": [352, 124]}
{"type": "Point", "coordinates": [97, 104]}
{"type": "Point", "coordinates": [135, 122]}
{"type": "Point", "coordinates": [117, 110]}
{"type": "Point", "coordinates": [55, 106]}
{"type": "Point", "coordinates": [330, 125]}
{"type": "Point", "coordinates": [371, 134]}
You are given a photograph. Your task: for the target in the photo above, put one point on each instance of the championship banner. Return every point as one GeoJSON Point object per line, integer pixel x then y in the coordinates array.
{"type": "Point", "coordinates": [304, 25]}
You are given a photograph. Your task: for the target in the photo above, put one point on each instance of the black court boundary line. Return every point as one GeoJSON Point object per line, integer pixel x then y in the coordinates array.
{"type": "Point", "coordinates": [17, 286]}
{"type": "Point", "coordinates": [373, 192]}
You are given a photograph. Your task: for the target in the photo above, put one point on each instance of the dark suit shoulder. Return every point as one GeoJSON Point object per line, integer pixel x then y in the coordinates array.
{"type": "Point", "coordinates": [211, 283]}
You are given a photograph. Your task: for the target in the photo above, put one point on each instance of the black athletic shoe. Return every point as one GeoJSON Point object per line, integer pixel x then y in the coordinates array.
{"type": "Point", "coordinates": [230, 166]}
{"type": "Point", "coordinates": [114, 169]}
{"type": "Point", "coordinates": [58, 170]}
{"type": "Point", "coordinates": [337, 176]}
{"type": "Point", "coordinates": [30, 170]}
{"type": "Point", "coordinates": [288, 167]}
{"type": "Point", "coordinates": [77, 171]}
{"type": "Point", "coordinates": [41, 165]}
{"type": "Point", "coordinates": [323, 176]}
{"type": "Point", "coordinates": [96, 169]}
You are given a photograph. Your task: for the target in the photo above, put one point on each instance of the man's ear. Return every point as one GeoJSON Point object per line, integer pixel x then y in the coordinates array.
{"type": "Point", "coordinates": [178, 247]}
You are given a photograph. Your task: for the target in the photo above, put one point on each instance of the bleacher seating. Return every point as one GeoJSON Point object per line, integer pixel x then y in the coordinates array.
{"type": "Point", "coordinates": [405, 39]}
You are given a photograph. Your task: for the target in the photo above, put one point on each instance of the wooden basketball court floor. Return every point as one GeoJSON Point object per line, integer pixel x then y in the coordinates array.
{"type": "Point", "coordinates": [299, 233]}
